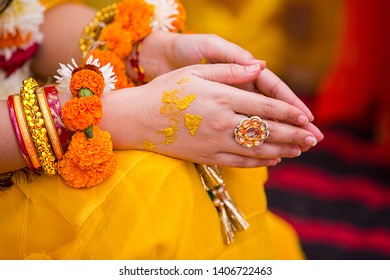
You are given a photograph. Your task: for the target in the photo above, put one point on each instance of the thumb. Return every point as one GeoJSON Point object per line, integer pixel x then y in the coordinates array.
{"type": "Point", "coordinates": [231, 74]}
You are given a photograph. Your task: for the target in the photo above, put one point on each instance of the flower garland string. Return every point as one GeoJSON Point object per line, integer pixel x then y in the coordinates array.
{"type": "Point", "coordinates": [90, 158]}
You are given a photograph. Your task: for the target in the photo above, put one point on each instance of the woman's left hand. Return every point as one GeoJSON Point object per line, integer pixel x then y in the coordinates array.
{"type": "Point", "coordinates": [179, 50]}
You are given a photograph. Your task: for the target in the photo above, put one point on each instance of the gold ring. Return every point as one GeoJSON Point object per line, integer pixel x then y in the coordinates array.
{"type": "Point", "coordinates": [251, 132]}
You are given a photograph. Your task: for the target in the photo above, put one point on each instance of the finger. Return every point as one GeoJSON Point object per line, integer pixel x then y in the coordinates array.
{"type": "Point", "coordinates": [285, 133]}
{"type": "Point", "coordinates": [269, 150]}
{"type": "Point", "coordinates": [219, 50]}
{"type": "Point", "coordinates": [271, 85]}
{"type": "Point", "coordinates": [240, 161]}
{"type": "Point", "coordinates": [230, 74]}
{"type": "Point", "coordinates": [249, 103]}
{"type": "Point", "coordinates": [315, 130]}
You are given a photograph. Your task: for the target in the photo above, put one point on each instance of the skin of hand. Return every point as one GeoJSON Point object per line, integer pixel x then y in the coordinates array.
{"type": "Point", "coordinates": [221, 107]}
{"type": "Point", "coordinates": [187, 49]}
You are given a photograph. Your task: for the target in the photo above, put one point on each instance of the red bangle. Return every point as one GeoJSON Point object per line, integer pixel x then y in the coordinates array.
{"type": "Point", "coordinates": [55, 109]}
{"type": "Point", "coordinates": [15, 126]}
{"type": "Point", "coordinates": [134, 61]}
{"type": "Point", "coordinates": [49, 124]}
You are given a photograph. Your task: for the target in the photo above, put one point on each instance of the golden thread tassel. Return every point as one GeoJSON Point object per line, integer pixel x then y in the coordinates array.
{"type": "Point", "coordinates": [230, 217]}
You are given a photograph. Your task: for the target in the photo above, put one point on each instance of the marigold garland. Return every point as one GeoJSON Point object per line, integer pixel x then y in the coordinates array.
{"type": "Point", "coordinates": [90, 158]}
{"type": "Point", "coordinates": [119, 27]}
{"type": "Point", "coordinates": [107, 56]}
{"type": "Point", "coordinates": [89, 79]}
{"type": "Point", "coordinates": [80, 113]}
{"type": "Point", "coordinates": [118, 39]}
{"type": "Point", "coordinates": [110, 38]}
{"type": "Point", "coordinates": [135, 15]}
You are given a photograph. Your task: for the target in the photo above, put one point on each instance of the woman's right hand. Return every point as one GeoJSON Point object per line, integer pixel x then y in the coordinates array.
{"type": "Point", "coordinates": [152, 117]}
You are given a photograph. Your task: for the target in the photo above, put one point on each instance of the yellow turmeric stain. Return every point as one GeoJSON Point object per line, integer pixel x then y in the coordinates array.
{"type": "Point", "coordinates": [203, 60]}
{"type": "Point", "coordinates": [169, 134]}
{"type": "Point", "coordinates": [182, 81]}
{"type": "Point", "coordinates": [170, 96]}
{"type": "Point", "coordinates": [171, 102]}
{"type": "Point", "coordinates": [192, 122]}
{"type": "Point", "coordinates": [148, 145]}
{"type": "Point", "coordinates": [185, 102]}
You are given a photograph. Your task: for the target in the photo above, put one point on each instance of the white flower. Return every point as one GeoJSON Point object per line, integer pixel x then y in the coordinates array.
{"type": "Point", "coordinates": [65, 74]}
{"type": "Point", "coordinates": [107, 72]}
{"type": "Point", "coordinates": [24, 16]}
{"type": "Point", "coordinates": [164, 11]}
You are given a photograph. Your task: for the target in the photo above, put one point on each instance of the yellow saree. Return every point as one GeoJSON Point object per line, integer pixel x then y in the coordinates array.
{"type": "Point", "coordinates": [152, 207]}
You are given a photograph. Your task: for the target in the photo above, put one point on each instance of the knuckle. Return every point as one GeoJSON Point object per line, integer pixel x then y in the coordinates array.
{"type": "Point", "coordinates": [267, 109]}
{"type": "Point", "coordinates": [230, 72]}
{"type": "Point", "coordinates": [259, 152]}
{"type": "Point", "coordinates": [276, 88]}
{"type": "Point", "coordinates": [210, 40]}
{"type": "Point", "coordinates": [219, 126]}
{"type": "Point", "coordinates": [296, 136]}
{"type": "Point", "coordinates": [291, 113]}
{"type": "Point", "coordinates": [239, 162]}
{"type": "Point", "coordinates": [222, 100]}
{"type": "Point", "coordinates": [273, 132]}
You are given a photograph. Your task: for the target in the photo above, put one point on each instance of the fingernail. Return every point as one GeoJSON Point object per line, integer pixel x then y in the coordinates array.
{"type": "Point", "coordinates": [263, 63]}
{"type": "Point", "coordinates": [311, 141]}
{"type": "Point", "coordinates": [272, 162]}
{"type": "Point", "coordinates": [295, 152]}
{"type": "Point", "coordinates": [303, 120]}
{"type": "Point", "coordinates": [252, 68]}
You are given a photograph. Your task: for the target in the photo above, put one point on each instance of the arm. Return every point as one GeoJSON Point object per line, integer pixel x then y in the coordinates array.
{"type": "Point", "coordinates": [62, 27]}
{"type": "Point", "coordinates": [60, 44]}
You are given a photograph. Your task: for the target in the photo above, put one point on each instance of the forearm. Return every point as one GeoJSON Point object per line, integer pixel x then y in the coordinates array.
{"type": "Point", "coordinates": [62, 27]}
{"type": "Point", "coordinates": [156, 55]}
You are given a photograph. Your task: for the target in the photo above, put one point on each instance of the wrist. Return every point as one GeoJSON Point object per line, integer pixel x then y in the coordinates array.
{"type": "Point", "coordinates": [155, 61]}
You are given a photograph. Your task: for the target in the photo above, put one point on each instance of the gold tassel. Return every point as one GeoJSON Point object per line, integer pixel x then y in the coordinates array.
{"type": "Point", "coordinates": [230, 217]}
{"type": "Point", "coordinates": [24, 174]}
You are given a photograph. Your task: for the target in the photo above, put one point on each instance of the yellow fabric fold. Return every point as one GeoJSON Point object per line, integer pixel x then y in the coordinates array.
{"type": "Point", "coordinates": [48, 4]}
{"type": "Point", "coordinates": [152, 207]}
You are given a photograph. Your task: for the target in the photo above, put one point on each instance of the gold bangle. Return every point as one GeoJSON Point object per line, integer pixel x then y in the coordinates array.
{"type": "Point", "coordinates": [92, 30]}
{"type": "Point", "coordinates": [49, 123]}
{"type": "Point", "coordinates": [32, 153]}
{"type": "Point", "coordinates": [37, 128]}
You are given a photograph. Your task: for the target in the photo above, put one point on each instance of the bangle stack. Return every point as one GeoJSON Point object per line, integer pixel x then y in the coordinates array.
{"type": "Point", "coordinates": [34, 128]}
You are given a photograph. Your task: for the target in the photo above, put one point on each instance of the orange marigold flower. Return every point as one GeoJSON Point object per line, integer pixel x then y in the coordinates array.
{"type": "Point", "coordinates": [13, 40]}
{"type": "Point", "coordinates": [118, 64]}
{"type": "Point", "coordinates": [117, 39]}
{"type": "Point", "coordinates": [179, 22]}
{"type": "Point", "coordinates": [90, 153]}
{"type": "Point", "coordinates": [106, 56]}
{"type": "Point", "coordinates": [76, 177]}
{"type": "Point", "coordinates": [123, 81]}
{"type": "Point", "coordinates": [79, 113]}
{"type": "Point", "coordinates": [89, 79]}
{"type": "Point", "coordinates": [135, 16]}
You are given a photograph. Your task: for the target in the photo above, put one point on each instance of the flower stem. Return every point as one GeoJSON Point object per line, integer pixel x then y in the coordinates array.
{"type": "Point", "coordinates": [84, 92]}
{"type": "Point", "coordinates": [89, 131]}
